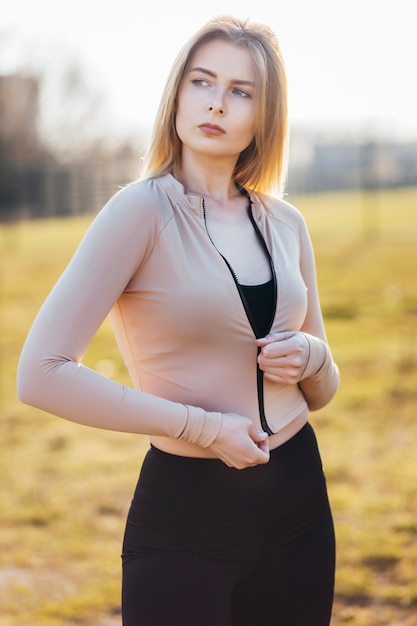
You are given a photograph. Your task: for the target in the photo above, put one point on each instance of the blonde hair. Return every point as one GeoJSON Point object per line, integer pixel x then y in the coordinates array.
{"type": "Point", "coordinates": [262, 166]}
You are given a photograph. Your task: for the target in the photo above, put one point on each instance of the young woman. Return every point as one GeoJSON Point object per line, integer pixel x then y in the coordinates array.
{"type": "Point", "coordinates": [209, 280]}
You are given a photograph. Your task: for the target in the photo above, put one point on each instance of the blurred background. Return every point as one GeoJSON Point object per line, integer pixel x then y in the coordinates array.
{"type": "Point", "coordinates": [80, 83]}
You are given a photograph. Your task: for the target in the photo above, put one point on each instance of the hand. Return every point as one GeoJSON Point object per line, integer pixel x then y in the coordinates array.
{"type": "Point", "coordinates": [284, 356]}
{"type": "Point", "coordinates": [239, 444]}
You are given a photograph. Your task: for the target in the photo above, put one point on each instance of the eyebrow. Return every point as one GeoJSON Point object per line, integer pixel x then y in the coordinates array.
{"type": "Point", "coordinates": [235, 81]}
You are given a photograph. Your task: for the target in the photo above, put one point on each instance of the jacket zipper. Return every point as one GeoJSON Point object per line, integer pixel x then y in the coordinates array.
{"type": "Point", "coordinates": [259, 372]}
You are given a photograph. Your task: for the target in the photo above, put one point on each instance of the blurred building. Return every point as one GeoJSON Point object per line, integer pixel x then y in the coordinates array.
{"type": "Point", "coordinates": [346, 164]}
{"type": "Point", "coordinates": [19, 104]}
{"type": "Point", "coordinates": [35, 181]}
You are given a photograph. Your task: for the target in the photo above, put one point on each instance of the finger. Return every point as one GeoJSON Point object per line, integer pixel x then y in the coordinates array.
{"type": "Point", "coordinates": [264, 457]}
{"type": "Point", "coordinates": [261, 439]}
{"type": "Point", "coordinates": [277, 378]}
{"type": "Point", "coordinates": [264, 446]}
{"type": "Point", "coordinates": [277, 349]}
{"type": "Point", "coordinates": [273, 337]}
{"type": "Point", "coordinates": [258, 436]}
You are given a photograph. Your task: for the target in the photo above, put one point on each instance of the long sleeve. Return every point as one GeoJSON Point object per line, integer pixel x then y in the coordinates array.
{"type": "Point", "coordinates": [50, 374]}
{"type": "Point", "coordinates": [321, 376]}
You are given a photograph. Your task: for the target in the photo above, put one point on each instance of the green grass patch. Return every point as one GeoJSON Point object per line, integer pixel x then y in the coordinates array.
{"type": "Point", "coordinates": [65, 488]}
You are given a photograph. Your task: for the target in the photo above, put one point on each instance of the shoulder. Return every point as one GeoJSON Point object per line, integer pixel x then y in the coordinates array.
{"type": "Point", "coordinates": [282, 211]}
{"type": "Point", "coordinates": [133, 218]}
{"type": "Point", "coordinates": [141, 209]}
{"type": "Point", "coordinates": [139, 200]}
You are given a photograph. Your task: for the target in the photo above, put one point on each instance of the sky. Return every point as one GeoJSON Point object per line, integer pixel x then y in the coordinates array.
{"type": "Point", "coordinates": [350, 63]}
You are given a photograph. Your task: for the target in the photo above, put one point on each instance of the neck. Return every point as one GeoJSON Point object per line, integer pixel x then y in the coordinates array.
{"type": "Point", "coordinates": [210, 181]}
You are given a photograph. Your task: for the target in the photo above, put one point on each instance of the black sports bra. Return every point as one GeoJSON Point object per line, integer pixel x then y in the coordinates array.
{"type": "Point", "coordinates": [260, 300]}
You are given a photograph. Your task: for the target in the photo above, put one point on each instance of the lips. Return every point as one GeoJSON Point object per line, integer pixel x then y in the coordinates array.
{"type": "Point", "coordinates": [211, 129]}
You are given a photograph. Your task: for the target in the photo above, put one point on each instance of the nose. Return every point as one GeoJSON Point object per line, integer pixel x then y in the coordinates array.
{"type": "Point", "coordinates": [217, 105]}
{"type": "Point", "coordinates": [218, 110]}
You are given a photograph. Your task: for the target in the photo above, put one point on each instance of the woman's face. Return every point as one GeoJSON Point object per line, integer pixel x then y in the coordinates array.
{"type": "Point", "coordinates": [215, 104]}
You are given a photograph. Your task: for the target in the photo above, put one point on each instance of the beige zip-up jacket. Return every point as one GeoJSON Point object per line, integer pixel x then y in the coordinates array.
{"type": "Point", "coordinates": [178, 320]}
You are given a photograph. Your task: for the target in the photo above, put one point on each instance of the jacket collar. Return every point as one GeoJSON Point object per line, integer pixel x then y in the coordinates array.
{"type": "Point", "coordinates": [176, 192]}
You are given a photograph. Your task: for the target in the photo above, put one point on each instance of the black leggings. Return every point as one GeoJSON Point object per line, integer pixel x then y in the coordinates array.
{"type": "Point", "coordinates": [207, 545]}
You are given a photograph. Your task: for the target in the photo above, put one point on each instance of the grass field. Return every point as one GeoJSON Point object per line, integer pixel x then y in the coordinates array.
{"type": "Point", "coordinates": [65, 489]}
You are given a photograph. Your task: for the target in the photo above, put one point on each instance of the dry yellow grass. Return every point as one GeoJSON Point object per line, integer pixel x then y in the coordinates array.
{"type": "Point", "coordinates": [65, 489]}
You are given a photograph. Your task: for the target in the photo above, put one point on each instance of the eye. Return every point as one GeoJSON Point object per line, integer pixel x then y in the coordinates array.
{"type": "Point", "coordinates": [240, 93]}
{"type": "Point", "coordinates": [200, 82]}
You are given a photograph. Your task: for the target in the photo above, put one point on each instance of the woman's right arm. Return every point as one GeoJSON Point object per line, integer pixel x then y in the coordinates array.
{"type": "Point", "coordinates": [51, 375]}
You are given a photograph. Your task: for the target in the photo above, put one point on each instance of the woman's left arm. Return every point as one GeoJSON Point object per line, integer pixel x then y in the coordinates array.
{"type": "Point", "coordinates": [303, 357]}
